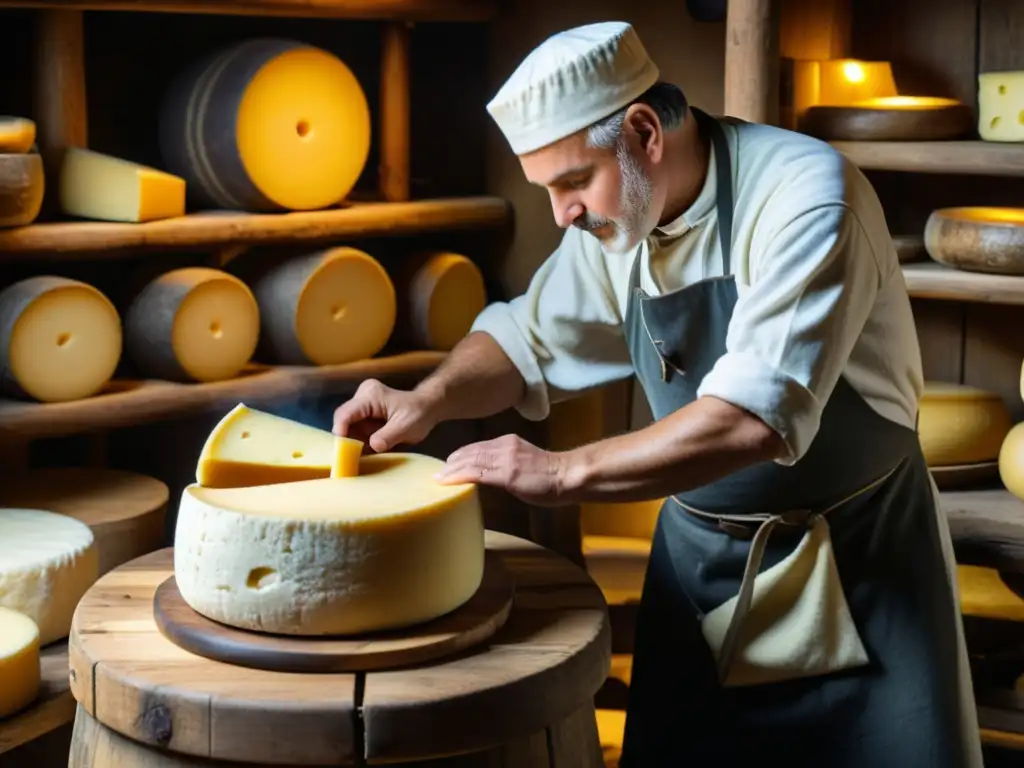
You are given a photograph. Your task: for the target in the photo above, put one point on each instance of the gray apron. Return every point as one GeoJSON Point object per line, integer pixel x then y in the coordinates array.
{"type": "Point", "coordinates": [801, 614]}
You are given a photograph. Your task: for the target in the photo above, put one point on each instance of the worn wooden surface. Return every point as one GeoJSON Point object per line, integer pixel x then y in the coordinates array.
{"type": "Point", "coordinates": [869, 123]}
{"type": "Point", "coordinates": [394, 111]}
{"type": "Point", "coordinates": [752, 60]}
{"type": "Point", "coordinates": [541, 668]}
{"type": "Point", "coordinates": [936, 157]}
{"type": "Point", "coordinates": [987, 527]}
{"type": "Point", "coordinates": [931, 280]}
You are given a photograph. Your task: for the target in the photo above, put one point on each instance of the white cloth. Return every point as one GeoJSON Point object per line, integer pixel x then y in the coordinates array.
{"type": "Point", "coordinates": [820, 289]}
{"type": "Point", "coordinates": [570, 81]}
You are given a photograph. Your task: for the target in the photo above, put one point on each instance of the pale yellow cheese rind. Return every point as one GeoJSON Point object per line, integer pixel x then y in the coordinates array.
{"type": "Point", "coordinates": [98, 186]}
{"type": "Point", "coordinates": [1011, 461]}
{"type": "Point", "coordinates": [1001, 106]}
{"type": "Point", "coordinates": [960, 424]}
{"type": "Point", "coordinates": [388, 548]}
{"type": "Point", "coordinates": [20, 670]}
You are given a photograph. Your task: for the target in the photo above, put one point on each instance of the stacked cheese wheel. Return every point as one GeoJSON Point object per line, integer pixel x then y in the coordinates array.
{"type": "Point", "coordinates": [289, 530]}
{"type": "Point", "coordinates": [442, 293]}
{"type": "Point", "coordinates": [961, 425]}
{"type": "Point", "coordinates": [22, 182]}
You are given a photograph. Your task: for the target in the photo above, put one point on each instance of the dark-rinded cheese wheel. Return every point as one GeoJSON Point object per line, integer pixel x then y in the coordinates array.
{"type": "Point", "coordinates": [22, 184]}
{"type": "Point", "coordinates": [440, 295]}
{"type": "Point", "coordinates": [266, 125]}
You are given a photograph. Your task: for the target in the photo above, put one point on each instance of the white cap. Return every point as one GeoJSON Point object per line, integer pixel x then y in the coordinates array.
{"type": "Point", "coordinates": [569, 82]}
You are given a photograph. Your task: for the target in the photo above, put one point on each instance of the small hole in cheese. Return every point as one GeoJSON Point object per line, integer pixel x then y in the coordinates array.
{"type": "Point", "coordinates": [1002, 90]}
{"type": "Point", "coordinates": [302, 128]}
{"type": "Point", "coordinates": [296, 454]}
{"type": "Point", "coordinates": [63, 339]}
{"type": "Point", "coordinates": [994, 122]}
{"type": "Point", "coordinates": [260, 578]}
{"type": "Point", "coordinates": [215, 330]}
{"type": "Point", "coordinates": [337, 313]}
{"type": "Point", "coordinates": [246, 435]}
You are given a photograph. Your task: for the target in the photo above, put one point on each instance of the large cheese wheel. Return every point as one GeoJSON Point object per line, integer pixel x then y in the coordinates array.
{"type": "Point", "coordinates": [388, 548]}
{"type": "Point", "coordinates": [192, 324]}
{"type": "Point", "coordinates": [47, 562]}
{"type": "Point", "coordinates": [960, 424]}
{"type": "Point", "coordinates": [1011, 461]}
{"type": "Point", "coordinates": [977, 239]}
{"type": "Point", "coordinates": [60, 339]}
{"type": "Point", "coordinates": [441, 295]}
{"type": "Point", "coordinates": [334, 306]}
{"type": "Point", "coordinates": [267, 125]}
{"type": "Point", "coordinates": [22, 184]}
{"type": "Point", "coordinates": [20, 663]}
{"type": "Point", "coordinates": [107, 188]}
{"type": "Point", "coordinates": [17, 134]}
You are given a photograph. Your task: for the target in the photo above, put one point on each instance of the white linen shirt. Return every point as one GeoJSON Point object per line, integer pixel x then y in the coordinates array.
{"type": "Point", "coordinates": [820, 294]}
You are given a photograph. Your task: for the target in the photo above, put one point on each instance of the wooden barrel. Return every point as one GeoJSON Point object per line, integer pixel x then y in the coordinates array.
{"type": "Point", "coordinates": [266, 125]}
{"type": "Point", "coordinates": [522, 700]}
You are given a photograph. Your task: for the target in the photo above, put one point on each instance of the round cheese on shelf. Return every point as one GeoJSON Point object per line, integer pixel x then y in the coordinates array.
{"type": "Point", "coordinates": [192, 324]}
{"type": "Point", "coordinates": [442, 297]}
{"type": "Point", "coordinates": [389, 548]}
{"type": "Point", "coordinates": [1011, 461]}
{"type": "Point", "coordinates": [60, 339]}
{"type": "Point", "coordinates": [20, 664]}
{"type": "Point", "coordinates": [17, 134]}
{"type": "Point", "coordinates": [47, 562]}
{"type": "Point", "coordinates": [22, 184]}
{"type": "Point", "coordinates": [267, 125]}
{"type": "Point", "coordinates": [960, 424]}
{"type": "Point", "coordinates": [325, 308]}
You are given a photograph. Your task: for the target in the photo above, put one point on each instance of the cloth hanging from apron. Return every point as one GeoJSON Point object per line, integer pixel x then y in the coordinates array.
{"type": "Point", "coordinates": [846, 650]}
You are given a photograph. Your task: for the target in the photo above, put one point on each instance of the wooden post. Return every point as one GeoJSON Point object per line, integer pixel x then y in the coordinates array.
{"type": "Point", "coordinates": [394, 112]}
{"type": "Point", "coordinates": [60, 106]}
{"type": "Point", "coordinates": [752, 60]}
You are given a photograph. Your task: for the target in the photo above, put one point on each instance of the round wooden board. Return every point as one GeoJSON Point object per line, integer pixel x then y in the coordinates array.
{"type": "Point", "coordinates": [125, 510]}
{"type": "Point", "coordinates": [888, 124]}
{"type": "Point", "coordinates": [977, 239]}
{"type": "Point", "coordinates": [961, 476]}
{"type": "Point", "coordinates": [475, 621]}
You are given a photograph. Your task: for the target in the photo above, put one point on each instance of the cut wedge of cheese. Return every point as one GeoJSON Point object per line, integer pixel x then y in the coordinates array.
{"type": "Point", "coordinates": [442, 293]}
{"type": "Point", "coordinates": [326, 308]}
{"type": "Point", "coordinates": [20, 666]}
{"type": "Point", "coordinates": [347, 452]}
{"type": "Point", "coordinates": [1001, 106]}
{"type": "Point", "coordinates": [960, 424]}
{"type": "Point", "coordinates": [47, 562]}
{"type": "Point", "coordinates": [98, 186]}
{"type": "Point", "coordinates": [266, 125]}
{"type": "Point", "coordinates": [22, 185]}
{"type": "Point", "coordinates": [60, 339]}
{"type": "Point", "coordinates": [17, 134]}
{"type": "Point", "coordinates": [388, 548]}
{"type": "Point", "coordinates": [192, 324]}
{"type": "Point", "coordinates": [250, 447]}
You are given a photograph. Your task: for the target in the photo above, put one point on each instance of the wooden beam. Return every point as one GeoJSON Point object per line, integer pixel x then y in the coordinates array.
{"type": "Point", "coordinates": [394, 112]}
{"type": "Point", "coordinates": [752, 60]}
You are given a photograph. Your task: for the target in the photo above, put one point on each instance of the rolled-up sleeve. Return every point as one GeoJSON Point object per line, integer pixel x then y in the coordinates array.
{"type": "Point", "coordinates": [812, 288]}
{"type": "Point", "coordinates": [564, 334]}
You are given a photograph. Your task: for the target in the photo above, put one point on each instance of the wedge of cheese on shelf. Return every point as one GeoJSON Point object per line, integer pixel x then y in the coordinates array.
{"type": "Point", "coordinates": [388, 548]}
{"type": "Point", "coordinates": [47, 562]}
{"type": "Point", "coordinates": [960, 424]}
{"type": "Point", "coordinates": [98, 186]}
{"type": "Point", "coordinates": [249, 447]}
{"type": "Point", "coordinates": [1000, 104]}
{"type": "Point", "coordinates": [17, 134]}
{"type": "Point", "coordinates": [60, 339]}
{"type": "Point", "coordinates": [20, 665]}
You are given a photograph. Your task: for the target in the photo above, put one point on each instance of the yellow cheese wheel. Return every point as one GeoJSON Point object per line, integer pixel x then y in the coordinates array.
{"type": "Point", "coordinates": [442, 294]}
{"type": "Point", "coordinates": [192, 324]}
{"type": "Point", "coordinates": [107, 188]}
{"type": "Point", "coordinates": [17, 134]}
{"type": "Point", "coordinates": [960, 424]}
{"type": "Point", "coordinates": [60, 339]}
{"type": "Point", "coordinates": [267, 125]}
{"type": "Point", "coordinates": [20, 664]}
{"type": "Point", "coordinates": [22, 184]}
{"type": "Point", "coordinates": [1011, 461]}
{"type": "Point", "coordinates": [334, 306]}
{"type": "Point", "coordinates": [985, 595]}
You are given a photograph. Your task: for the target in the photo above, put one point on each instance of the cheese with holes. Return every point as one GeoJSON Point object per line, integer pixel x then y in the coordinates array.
{"type": "Point", "coordinates": [20, 665]}
{"type": "Point", "coordinates": [249, 447]}
{"type": "Point", "coordinates": [960, 424]}
{"type": "Point", "coordinates": [1011, 461]}
{"type": "Point", "coordinates": [17, 134]}
{"type": "Point", "coordinates": [1001, 106]}
{"type": "Point", "coordinates": [443, 298]}
{"type": "Point", "coordinates": [334, 306]}
{"type": "Point", "coordinates": [192, 324]}
{"type": "Point", "coordinates": [60, 339]}
{"type": "Point", "coordinates": [347, 452]}
{"type": "Point", "coordinates": [106, 188]}
{"type": "Point", "coordinates": [267, 125]}
{"type": "Point", "coordinates": [22, 185]}
{"type": "Point", "coordinates": [47, 562]}
{"type": "Point", "coordinates": [388, 548]}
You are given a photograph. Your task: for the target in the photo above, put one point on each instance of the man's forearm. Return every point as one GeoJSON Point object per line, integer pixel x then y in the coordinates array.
{"type": "Point", "coordinates": [476, 380]}
{"type": "Point", "coordinates": [696, 445]}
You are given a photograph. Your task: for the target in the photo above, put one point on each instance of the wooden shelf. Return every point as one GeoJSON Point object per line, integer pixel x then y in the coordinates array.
{"type": "Point", "coordinates": [218, 229]}
{"type": "Point", "coordinates": [54, 707]}
{"type": "Point", "coordinates": [931, 280]}
{"type": "Point", "coordinates": [409, 10]}
{"type": "Point", "coordinates": [959, 157]}
{"type": "Point", "coordinates": [987, 527]}
{"type": "Point", "coordinates": [131, 403]}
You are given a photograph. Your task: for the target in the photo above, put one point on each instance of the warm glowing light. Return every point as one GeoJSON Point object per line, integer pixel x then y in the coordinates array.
{"type": "Point", "coordinates": [853, 71]}
{"type": "Point", "coordinates": [906, 102]}
{"type": "Point", "coordinates": [987, 215]}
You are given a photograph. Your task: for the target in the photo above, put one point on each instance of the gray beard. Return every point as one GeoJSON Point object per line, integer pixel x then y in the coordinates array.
{"type": "Point", "coordinates": [637, 197]}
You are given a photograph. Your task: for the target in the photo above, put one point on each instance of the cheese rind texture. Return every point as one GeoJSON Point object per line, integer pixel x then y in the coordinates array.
{"type": "Point", "coordinates": [107, 188]}
{"type": "Point", "coordinates": [20, 670]}
{"type": "Point", "coordinates": [387, 549]}
{"type": "Point", "coordinates": [960, 424]}
{"type": "Point", "coordinates": [1001, 106]}
{"type": "Point", "coordinates": [17, 134]}
{"type": "Point", "coordinates": [47, 563]}
{"type": "Point", "coordinates": [22, 185]}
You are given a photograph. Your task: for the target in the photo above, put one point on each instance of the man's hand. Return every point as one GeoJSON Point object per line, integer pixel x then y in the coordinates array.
{"type": "Point", "coordinates": [385, 417]}
{"type": "Point", "coordinates": [509, 462]}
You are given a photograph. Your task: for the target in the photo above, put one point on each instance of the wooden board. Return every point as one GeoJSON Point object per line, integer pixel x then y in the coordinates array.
{"type": "Point", "coordinates": [959, 157]}
{"type": "Point", "coordinates": [987, 527]}
{"type": "Point", "coordinates": [857, 123]}
{"type": "Point", "coordinates": [475, 621]}
{"type": "Point", "coordinates": [546, 663]}
{"type": "Point", "coordinates": [125, 510]}
{"type": "Point", "coordinates": [54, 707]}
{"type": "Point", "coordinates": [931, 280]}
{"type": "Point", "coordinates": [959, 476]}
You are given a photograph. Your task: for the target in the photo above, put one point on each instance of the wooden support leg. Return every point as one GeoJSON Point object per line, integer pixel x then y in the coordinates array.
{"type": "Point", "coordinates": [752, 61]}
{"type": "Point", "coordinates": [394, 112]}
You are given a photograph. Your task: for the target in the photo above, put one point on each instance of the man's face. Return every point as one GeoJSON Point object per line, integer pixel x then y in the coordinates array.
{"type": "Point", "coordinates": [607, 193]}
